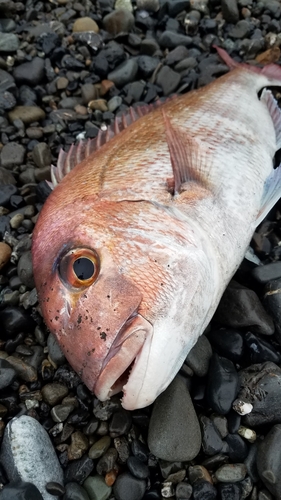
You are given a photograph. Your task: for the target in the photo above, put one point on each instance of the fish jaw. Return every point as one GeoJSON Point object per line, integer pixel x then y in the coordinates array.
{"type": "Point", "coordinates": [126, 349]}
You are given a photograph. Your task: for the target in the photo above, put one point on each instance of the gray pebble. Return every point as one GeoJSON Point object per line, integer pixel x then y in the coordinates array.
{"type": "Point", "coordinates": [268, 461]}
{"type": "Point", "coordinates": [171, 39]}
{"type": "Point", "coordinates": [74, 491]}
{"type": "Point", "coordinates": [240, 30]}
{"type": "Point", "coordinates": [168, 80]}
{"type": "Point", "coordinates": [137, 468]}
{"type": "Point", "coordinates": [199, 357]}
{"type": "Point", "coordinates": [114, 103]}
{"type": "Point", "coordinates": [31, 73]}
{"type": "Point", "coordinates": [41, 155]}
{"type": "Point", "coordinates": [6, 177]}
{"type": "Point", "coordinates": [183, 491]}
{"type": "Point", "coordinates": [119, 21]}
{"type": "Point", "coordinates": [55, 351]}
{"type": "Point", "coordinates": [54, 393]}
{"type": "Point", "coordinates": [28, 454]}
{"type": "Point", "coordinates": [12, 154]}
{"type": "Point", "coordinates": [7, 374]}
{"type": "Point", "coordinates": [169, 436]}
{"type": "Point", "coordinates": [8, 42]}
{"type": "Point", "coordinates": [96, 488]}
{"type": "Point", "coordinates": [231, 473]}
{"type": "Point", "coordinates": [25, 270]}
{"type": "Point", "coordinates": [129, 487]}
{"type": "Point", "coordinates": [230, 11]}
{"type": "Point", "coordinates": [124, 73]}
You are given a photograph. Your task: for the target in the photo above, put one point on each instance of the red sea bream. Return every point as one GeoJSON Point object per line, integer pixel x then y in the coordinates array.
{"type": "Point", "coordinates": [136, 244]}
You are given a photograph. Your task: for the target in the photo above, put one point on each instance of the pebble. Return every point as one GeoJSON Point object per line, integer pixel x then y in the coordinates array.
{"type": "Point", "coordinates": [266, 273]}
{"type": "Point", "coordinates": [74, 491]}
{"type": "Point", "coordinates": [119, 21]}
{"type": "Point", "coordinates": [5, 254]}
{"type": "Point", "coordinates": [20, 490]}
{"type": "Point", "coordinates": [169, 436]}
{"type": "Point", "coordinates": [54, 393]}
{"type": "Point", "coordinates": [28, 114]}
{"type": "Point", "coordinates": [124, 73]}
{"type": "Point", "coordinates": [228, 343]}
{"type": "Point", "coordinates": [204, 491]}
{"type": "Point", "coordinates": [12, 154]}
{"type": "Point", "coordinates": [7, 374]}
{"type": "Point", "coordinates": [85, 24]}
{"type": "Point", "coordinates": [272, 302]}
{"type": "Point", "coordinates": [230, 11]}
{"type": "Point", "coordinates": [27, 453]}
{"type": "Point", "coordinates": [6, 178]}
{"type": "Point", "coordinates": [237, 448]}
{"type": "Point", "coordinates": [79, 470]}
{"type": "Point", "coordinates": [147, 65]}
{"type": "Point", "coordinates": [199, 357]}
{"type": "Point", "coordinates": [137, 468]}
{"type": "Point", "coordinates": [222, 384]}
{"type": "Point", "coordinates": [42, 155]}
{"type": "Point", "coordinates": [260, 350]}
{"type": "Point", "coordinates": [14, 320]}
{"type": "Point", "coordinates": [183, 491]}
{"type": "Point", "coordinates": [30, 73]}
{"type": "Point", "coordinates": [170, 40]}
{"type": "Point", "coordinates": [265, 380]}
{"type": "Point", "coordinates": [25, 269]}
{"type": "Point", "coordinates": [120, 423]}
{"type": "Point", "coordinates": [8, 43]}
{"type": "Point", "coordinates": [129, 487]}
{"type": "Point", "coordinates": [168, 80]}
{"type": "Point", "coordinates": [99, 447]}
{"type": "Point", "coordinates": [241, 307]}
{"type": "Point", "coordinates": [231, 473]}
{"type": "Point", "coordinates": [268, 461]}
{"type": "Point", "coordinates": [229, 491]}
{"type": "Point", "coordinates": [212, 442]}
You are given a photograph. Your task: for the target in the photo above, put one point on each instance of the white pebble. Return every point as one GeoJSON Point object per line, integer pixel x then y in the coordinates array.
{"type": "Point", "coordinates": [241, 407]}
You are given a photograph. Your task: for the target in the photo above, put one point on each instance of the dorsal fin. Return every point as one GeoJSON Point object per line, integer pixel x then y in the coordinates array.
{"type": "Point", "coordinates": [83, 149]}
{"type": "Point", "coordinates": [188, 158]}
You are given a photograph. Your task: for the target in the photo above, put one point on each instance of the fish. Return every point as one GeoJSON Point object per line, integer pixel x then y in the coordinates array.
{"type": "Point", "coordinates": [146, 225]}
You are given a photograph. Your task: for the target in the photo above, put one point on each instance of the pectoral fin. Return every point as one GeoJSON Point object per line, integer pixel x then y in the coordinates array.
{"type": "Point", "coordinates": [271, 193]}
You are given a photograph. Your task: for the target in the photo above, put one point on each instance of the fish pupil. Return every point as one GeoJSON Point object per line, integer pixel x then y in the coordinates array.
{"type": "Point", "coordinates": [84, 268]}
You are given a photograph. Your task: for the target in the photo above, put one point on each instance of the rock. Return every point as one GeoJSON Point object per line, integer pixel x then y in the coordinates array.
{"type": "Point", "coordinates": [7, 82]}
{"type": "Point", "coordinates": [240, 307]}
{"type": "Point", "coordinates": [78, 446]}
{"type": "Point", "coordinates": [55, 351]}
{"type": "Point", "coordinates": [12, 154]}
{"type": "Point", "coordinates": [42, 155]}
{"type": "Point", "coordinates": [124, 73]}
{"type": "Point", "coordinates": [272, 302]}
{"type": "Point", "coordinates": [183, 490]}
{"type": "Point", "coordinates": [230, 11]}
{"type": "Point", "coordinates": [100, 104]}
{"type": "Point", "coordinates": [20, 490]}
{"type": "Point", "coordinates": [120, 423]}
{"type": "Point", "coordinates": [62, 83]}
{"type": "Point", "coordinates": [271, 55]}
{"type": "Point", "coordinates": [74, 491]}
{"type": "Point", "coordinates": [118, 21]}
{"type": "Point", "coordinates": [204, 490]}
{"type": "Point", "coordinates": [31, 73]}
{"type": "Point", "coordinates": [7, 101]}
{"type": "Point", "coordinates": [231, 473]}
{"type": "Point", "coordinates": [85, 24]}
{"type": "Point", "coordinates": [169, 437]}
{"type": "Point", "coordinates": [222, 384]}
{"type": "Point", "coordinates": [79, 470]}
{"type": "Point", "coordinates": [260, 350]}
{"type": "Point", "coordinates": [114, 103]}
{"type": "Point", "coordinates": [6, 178]}
{"type": "Point", "coordinates": [228, 343]}
{"type": "Point", "coordinates": [28, 114]}
{"type": "Point", "coordinates": [177, 6]}
{"type": "Point", "coordinates": [124, 4]}
{"type": "Point", "coordinates": [147, 65]}
{"type": "Point", "coordinates": [8, 42]}
{"type": "Point", "coordinates": [54, 393]}
{"type": "Point", "coordinates": [96, 488]}
{"type": "Point", "coordinates": [268, 461]}
{"type": "Point", "coordinates": [266, 273]}
{"type": "Point", "coordinates": [99, 447]}
{"type": "Point", "coordinates": [128, 487]}
{"type": "Point", "coordinates": [199, 357]}
{"type": "Point", "coordinates": [241, 30]}
{"type": "Point", "coordinates": [263, 380]}
{"type": "Point", "coordinates": [168, 80]}
{"type": "Point", "coordinates": [212, 442]}
{"type": "Point", "coordinates": [230, 491]}
{"type": "Point", "coordinates": [5, 254]}
{"type": "Point", "coordinates": [14, 320]}
{"type": "Point", "coordinates": [171, 39]}
{"type": "Point", "coordinates": [88, 93]}
{"type": "Point", "coordinates": [25, 269]}
{"type": "Point", "coordinates": [7, 374]}
{"type": "Point", "coordinates": [237, 448]}
{"type": "Point", "coordinates": [28, 454]}
{"type": "Point", "coordinates": [138, 468]}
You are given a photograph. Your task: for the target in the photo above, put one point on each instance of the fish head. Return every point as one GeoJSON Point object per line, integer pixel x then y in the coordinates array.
{"type": "Point", "coordinates": [111, 281]}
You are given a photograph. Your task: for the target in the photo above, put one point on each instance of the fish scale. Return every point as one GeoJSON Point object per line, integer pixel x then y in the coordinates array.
{"type": "Point", "coordinates": [165, 210]}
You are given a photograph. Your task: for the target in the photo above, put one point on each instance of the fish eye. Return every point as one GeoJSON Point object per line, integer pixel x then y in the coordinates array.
{"type": "Point", "coordinates": [79, 268]}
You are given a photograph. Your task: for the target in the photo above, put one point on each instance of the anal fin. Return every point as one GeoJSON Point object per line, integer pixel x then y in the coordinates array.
{"type": "Point", "coordinates": [271, 193]}
{"type": "Point", "coordinates": [189, 158]}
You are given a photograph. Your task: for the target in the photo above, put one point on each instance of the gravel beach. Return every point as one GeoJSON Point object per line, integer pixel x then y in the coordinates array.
{"type": "Point", "coordinates": [67, 69]}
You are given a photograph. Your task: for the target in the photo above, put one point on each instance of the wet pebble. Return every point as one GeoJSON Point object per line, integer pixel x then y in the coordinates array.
{"type": "Point", "coordinates": [237, 448]}
{"type": "Point", "coordinates": [74, 491]}
{"type": "Point", "coordinates": [229, 491]}
{"type": "Point", "coordinates": [183, 491]}
{"type": "Point", "coordinates": [119, 21]}
{"type": "Point", "coordinates": [41, 155]}
{"type": "Point", "coordinates": [272, 302]}
{"type": "Point", "coordinates": [171, 40]}
{"type": "Point", "coordinates": [228, 343]}
{"type": "Point", "coordinates": [5, 254]}
{"type": "Point", "coordinates": [14, 320]}
{"type": "Point", "coordinates": [260, 350]}
{"type": "Point", "coordinates": [99, 447]}
{"type": "Point", "coordinates": [55, 351]}
{"type": "Point", "coordinates": [266, 273]}
{"type": "Point", "coordinates": [27, 453]}
{"type": "Point", "coordinates": [222, 384]}
{"type": "Point", "coordinates": [85, 24]}
{"type": "Point", "coordinates": [12, 154]}
{"type": "Point", "coordinates": [128, 486]}
{"type": "Point", "coordinates": [168, 80]}
{"type": "Point", "coordinates": [212, 442]}
{"type": "Point", "coordinates": [27, 114]}
{"type": "Point", "coordinates": [169, 437]}
{"type": "Point", "coordinates": [137, 468]}
{"type": "Point", "coordinates": [8, 43]}
{"type": "Point", "coordinates": [79, 470]}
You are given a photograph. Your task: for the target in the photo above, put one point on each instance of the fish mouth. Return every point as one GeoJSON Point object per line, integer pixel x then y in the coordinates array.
{"type": "Point", "coordinates": [122, 357]}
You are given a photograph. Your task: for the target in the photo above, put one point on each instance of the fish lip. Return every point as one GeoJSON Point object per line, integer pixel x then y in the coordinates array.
{"type": "Point", "coordinates": [123, 352]}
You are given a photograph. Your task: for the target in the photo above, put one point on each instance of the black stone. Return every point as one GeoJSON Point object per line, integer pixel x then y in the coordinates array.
{"type": "Point", "coordinates": [260, 350]}
{"type": "Point", "coordinates": [128, 487]}
{"type": "Point", "coordinates": [227, 342]}
{"type": "Point", "coordinates": [204, 491]}
{"type": "Point", "coordinates": [7, 374]}
{"type": "Point", "coordinates": [147, 65]}
{"type": "Point", "coordinates": [212, 442]}
{"type": "Point", "coordinates": [229, 491]}
{"type": "Point", "coordinates": [14, 320]}
{"type": "Point", "coordinates": [79, 470]}
{"type": "Point", "coordinates": [222, 384]}
{"type": "Point", "coordinates": [5, 194]}
{"type": "Point", "coordinates": [120, 423]}
{"type": "Point", "coordinates": [238, 448]}
{"type": "Point", "coordinates": [19, 490]}
{"type": "Point", "coordinates": [47, 42]}
{"type": "Point", "coordinates": [137, 468]}
{"type": "Point", "coordinates": [30, 73]}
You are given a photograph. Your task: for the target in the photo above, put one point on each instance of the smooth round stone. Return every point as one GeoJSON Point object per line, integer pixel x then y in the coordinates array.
{"type": "Point", "coordinates": [129, 487]}
{"type": "Point", "coordinates": [237, 448]}
{"type": "Point", "coordinates": [170, 40]}
{"type": "Point", "coordinates": [222, 384]}
{"type": "Point", "coordinates": [122, 447]}
{"type": "Point", "coordinates": [96, 488]}
{"type": "Point", "coordinates": [228, 343]}
{"type": "Point", "coordinates": [99, 447]}
{"type": "Point", "coordinates": [204, 491]}
{"type": "Point", "coordinates": [260, 350]}
{"type": "Point", "coordinates": [20, 490]}
{"type": "Point", "coordinates": [137, 468]}
{"type": "Point", "coordinates": [184, 491]}
{"type": "Point", "coordinates": [55, 488]}
{"type": "Point", "coordinates": [74, 491]}
{"type": "Point", "coordinates": [169, 437]}
{"type": "Point", "coordinates": [6, 192]}
{"type": "Point", "coordinates": [168, 80]}
{"type": "Point", "coordinates": [12, 154]}
{"type": "Point", "coordinates": [231, 473]}
{"type": "Point", "coordinates": [27, 114]}
{"type": "Point", "coordinates": [140, 450]}
{"type": "Point", "coordinates": [7, 374]}
{"type": "Point", "coordinates": [31, 72]}
{"type": "Point", "coordinates": [212, 442]}
{"type": "Point", "coordinates": [124, 73]}
{"type": "Point", "coordinates": [118, 21]}
{"type": "Point", "coordinates": [28, 453]}
{"type": "Point", "coordinates": [79, 470]}
{"type": "Point", "coordinates": [85, 24]}
{"type": "Point", "coordinates": [14, 320]}
{"type": "Point", "coordinates": [263, 379]}
{"type": "Point", "coordinates": [240, 307]}
{"type": "Point", "coordinates": [198, 473]}
{"type": "Point", "coordinates": [251, 462]}
{"type": "Point", "coordinates": [25, 270]}
{"type": "Point", "coordinates": [54, 393]}
{"type": "Point", "coordinates": [269, 461]}
{"type": "Point", "coordinates": [120, 423]}
{"type": "Point", "coordinates": [199, 357]}
{"type": "Point", "coordinates": [7, 101]}
{"type": "Point", "coordinates": [241, 30]}
{"type": "Point", "coordinates": [60, 413]}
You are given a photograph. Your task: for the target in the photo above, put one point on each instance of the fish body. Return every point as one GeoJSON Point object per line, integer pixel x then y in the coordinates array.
{"type": "Point", "coordinates": [135, 245]}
